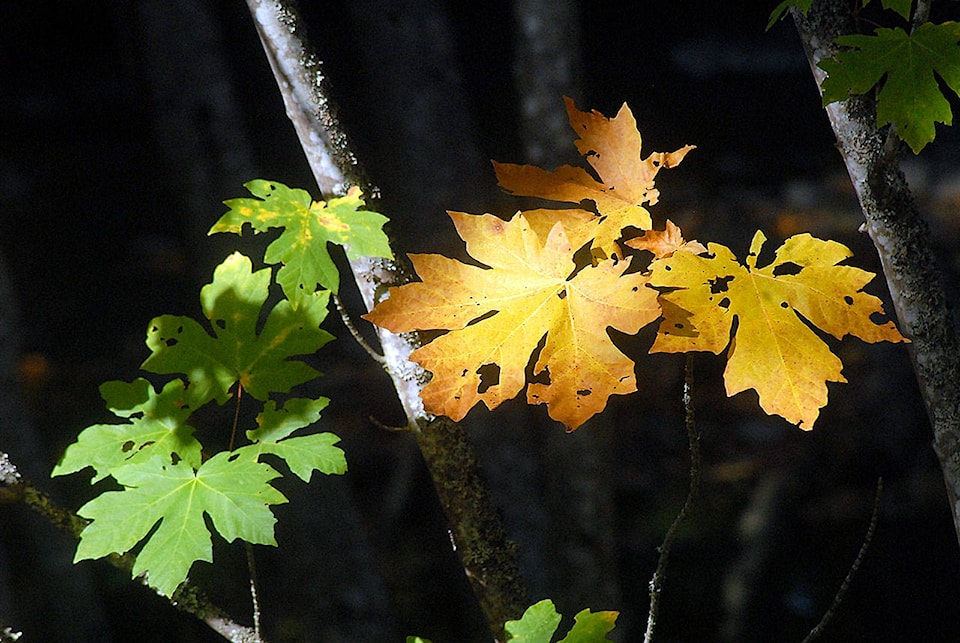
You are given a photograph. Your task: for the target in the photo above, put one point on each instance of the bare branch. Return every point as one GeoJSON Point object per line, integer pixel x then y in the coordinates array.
{"type": "Point", "coordinates": [656, 583]}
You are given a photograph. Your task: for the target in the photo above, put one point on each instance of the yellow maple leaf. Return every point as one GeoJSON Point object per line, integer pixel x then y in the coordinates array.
{"type": "Point", "coordinates": [498, 315]}
{"type": "Point", "coordinates": [773, 350]}
{"type": "Point", "coordinates": [626, 181]}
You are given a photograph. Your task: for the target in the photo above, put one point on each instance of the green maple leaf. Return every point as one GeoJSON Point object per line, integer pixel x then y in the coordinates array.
{"type": "Point", "coordinates": [236, 352]}
{"type": "Point", "coordinates": [307, 228]}
{"type": "Point", "coordinates": [541, 620]}
{"type": "Point", "coordinates": [232, 490]}
{"type": "Point", "coordinates": [157, 427]}
{"type": "Point", "coordinates": [303, 454]}
{"type": "Point", "coordinates": [910, 98]}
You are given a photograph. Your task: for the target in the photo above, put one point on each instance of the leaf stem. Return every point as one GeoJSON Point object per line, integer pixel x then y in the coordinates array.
{"type": "Point", "coordinates": [845, 585]}
{"type": "Point", "coordinates": [236, 416]}
{"type": "Point", "coordinates": [656, 583]}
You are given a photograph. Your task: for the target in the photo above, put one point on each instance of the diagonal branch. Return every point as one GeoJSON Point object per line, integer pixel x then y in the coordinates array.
{"type": "Point", "coordinates": [903, 243]}
{"type": "Point", "coordinates": [188, 598]}
{"type": "Point", "coordinates": [487, 555]}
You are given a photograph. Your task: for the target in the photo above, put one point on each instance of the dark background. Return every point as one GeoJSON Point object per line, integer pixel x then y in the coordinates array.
{"type": "Point", "coordinates": [123, 125]}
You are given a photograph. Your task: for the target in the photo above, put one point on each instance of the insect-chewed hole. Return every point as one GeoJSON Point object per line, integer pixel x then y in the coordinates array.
{"type": "Point", "coordinates": [584, 392]}
{"type": "Point", "coordinates": [489, 376]}
{"type": "Point", "coordinates": [724, 303]}
{"type": "Point", "coordinates": [720, 284]}
{"type": "Point", "coordinates": [127, 446]}
{"type": "Point", "coordinates": [848, 299]}
{"type": "Point", "coordinates": [787, 268]}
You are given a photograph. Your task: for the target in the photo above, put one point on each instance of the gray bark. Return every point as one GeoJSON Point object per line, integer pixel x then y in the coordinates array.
{"type": "Point", "coordinates": [903, 243]}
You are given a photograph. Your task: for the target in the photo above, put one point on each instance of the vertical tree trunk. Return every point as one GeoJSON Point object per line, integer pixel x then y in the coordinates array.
{"type": "Point", "coordinates": [487, 555]}
{"type": "Point", "coordinates": [902, 240]}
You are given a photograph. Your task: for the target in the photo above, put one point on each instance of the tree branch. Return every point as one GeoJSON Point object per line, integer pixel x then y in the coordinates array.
{"type": "Point", "coordinates": [188, 598]}
{"type": "Point", "coordinates": [903, 243]}
{"type": "Point", "coordinates": [487, 555]}
{"type": "Point", "coordinates": [656, 583]}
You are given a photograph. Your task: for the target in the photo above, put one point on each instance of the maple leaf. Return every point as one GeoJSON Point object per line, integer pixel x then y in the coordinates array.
{"type": "Point", "coordinates": [910, 97]}
{"type": "Point", "coordinates": [540, 621]}
{"type": "Point", "coordinates": [497, 317]}
{"type": "Point", "coordinates": [773, 350]}
{"type": "Point", "coordinates": [307, 228]}
{"type": "Point", "coordinates": [663, 243]}
{"type": "Point", "coordinates": [612, 148]}
{"type": "Point", "coordinates": [303, 454]}
{"type": "Point", "coordinates": [233, 491]}
{"type": "Point", "coordinates": [237, 353]}
{"type": "Point", "coordinates": [158, 427]}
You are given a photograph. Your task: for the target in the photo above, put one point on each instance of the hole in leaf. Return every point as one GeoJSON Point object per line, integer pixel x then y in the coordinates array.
{"type": "Point", "coordinates": [489, 376]}
{"type": "Point", "coordinates": [848, 299]}
{"type": "Point", "coordinates": [724, 303]}
{"type": "Point", "coordinates": [127, 446]}
{"type": "Point", "coordinates": [787, 268]}
{"type": "Point", "coordinates": [174, 457]}
{"type": "Point", "coordinates": [584, 392]}
{"type": "Point", "coordinates": [541, 377]}
{"type": "Point", "coordinates": [170, 342]}
{"type": "Point", "coordinates": [719, 284]}
{"type": "Point", "coordinates": [220, 323]}
{"type": "Point", "coordinates": [486, 315]}
{"type": "Point", "coordinates": [784, 304]}
{"type": "Point", "coordinates": [562, 294]}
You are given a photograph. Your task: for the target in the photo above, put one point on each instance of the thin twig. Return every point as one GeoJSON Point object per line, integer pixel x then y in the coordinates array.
{"type": "Point", "coordinates": [656, 583]}
{"type": "Point", "coordinates": [188, 598]}
{"type": "Point", "coordinates": [845, 585]}
{"type": "Point", "coordinates": [345, 316]}
{"type": "Point", "coordinates": [252, 568]}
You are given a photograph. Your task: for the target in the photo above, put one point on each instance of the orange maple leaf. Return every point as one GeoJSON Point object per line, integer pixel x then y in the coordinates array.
{"type": "Point", "coordinates": [498, 316]}
{"type": "Point", "coordinates": [663, 243]}
{"type": "Point", "coordinates": [626, 181]}
{"type": "Point", "coordinates": [773, 351]}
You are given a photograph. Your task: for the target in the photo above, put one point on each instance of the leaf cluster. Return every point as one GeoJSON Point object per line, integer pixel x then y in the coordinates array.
{"type": "Point", "coordinates": [169, 484]}
{"type": "Point", "coordinates": [536, 314]}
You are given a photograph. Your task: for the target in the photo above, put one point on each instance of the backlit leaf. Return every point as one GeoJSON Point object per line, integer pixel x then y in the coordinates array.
{"type": "Point", "coordinates": [236, 352]}
{"type": "Point", "coordinates": [307, 228]}
{"type": "Point", "coordinates": [626, 180]}
{"type": "Point", "coordinates": [498, 316]}
{"type": "Point", "coordinates": [158, 427]}
{"type": "Point", "coordinates": [233, 491]}
{"type": "Point", "coordinates": [910, 97]}
{"type": "Point", "coordinates": [774, 350]}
